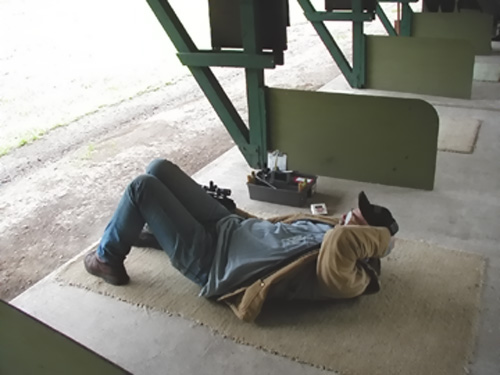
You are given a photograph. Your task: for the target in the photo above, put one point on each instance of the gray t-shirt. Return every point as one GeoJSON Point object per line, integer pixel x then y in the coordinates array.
{"type": "Point", "coordinates": [251, 248]}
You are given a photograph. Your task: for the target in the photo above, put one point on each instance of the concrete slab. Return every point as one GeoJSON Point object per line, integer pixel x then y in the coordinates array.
{"type": "Point", "coordinates": [462, 212]}
{"type": "Point", "coordinates": [487, 68]}
{"type": "Point", "coordinates": [144, 341]}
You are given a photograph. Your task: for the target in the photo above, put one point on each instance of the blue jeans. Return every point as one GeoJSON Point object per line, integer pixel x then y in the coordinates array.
{"type": "Point", "coordinates": [181, 215]}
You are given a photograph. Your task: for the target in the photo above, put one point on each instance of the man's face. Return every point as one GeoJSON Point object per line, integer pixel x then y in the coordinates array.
{"type": "Point", "coordinates": [353, 217]}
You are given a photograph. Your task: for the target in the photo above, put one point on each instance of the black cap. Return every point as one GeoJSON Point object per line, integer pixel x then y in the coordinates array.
{"type": "Point", "coordinates": [377, 216]}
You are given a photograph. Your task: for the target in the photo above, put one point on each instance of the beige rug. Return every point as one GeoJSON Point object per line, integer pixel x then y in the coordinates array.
{"type": "Point", "coordinates": [458, 134]}
{"type": "Point", "coordinates": [422, 322]}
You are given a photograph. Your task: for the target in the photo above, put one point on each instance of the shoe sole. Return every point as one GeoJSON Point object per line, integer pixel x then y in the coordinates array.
{"type": "Point", "coordinates": [109, 280]}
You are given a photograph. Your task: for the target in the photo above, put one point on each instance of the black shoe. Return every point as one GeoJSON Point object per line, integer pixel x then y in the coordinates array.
{"type": "Point", "coordinates": [147, 239]}
{"type": "Point", "coordinates": [116, 275]}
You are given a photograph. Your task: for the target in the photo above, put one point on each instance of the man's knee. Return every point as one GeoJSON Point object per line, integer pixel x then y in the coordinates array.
{"type": "Point", "coordinates": [141, 184]}
{"type": "Point", "coordinates": [159, 165]}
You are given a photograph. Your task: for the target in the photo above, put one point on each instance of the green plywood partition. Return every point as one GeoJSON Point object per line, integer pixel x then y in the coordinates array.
{"type": "Point", "coordinates": [429, 66]}
{"type": "Point", "coordinates": [28, 346]}
{"type": "Point", "coordinates": [472, 26]}
{"type": "Point", "coordinates": [382, 140]}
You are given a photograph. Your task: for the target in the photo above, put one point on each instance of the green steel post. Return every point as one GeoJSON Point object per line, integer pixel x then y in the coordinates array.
{"type": "Point", "coordinates": [329, 42]}
{"type": "Point", "coordinates": [206, 79]}
{"type": "Point", "coordinates": [406, 20]}
{"type": "Point", "coordinates": [385, 21]}
{"type": "Point", "coordinates": [257, 118]}
{"type": "Point", "coordinates": [358, 47]}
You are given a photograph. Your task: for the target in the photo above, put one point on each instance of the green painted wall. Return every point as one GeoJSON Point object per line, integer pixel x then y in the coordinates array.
{"type": "Point", "coordinates": [474, 27]}
{"type": "Point", "coordinates": [365, 138]}
{"type": "Point", "coordinates": [28, 346]}
{"type": "Point", "coordinates": [429, 66]}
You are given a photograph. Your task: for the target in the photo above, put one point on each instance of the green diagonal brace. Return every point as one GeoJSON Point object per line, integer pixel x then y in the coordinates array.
{"type": "Point", "coordinates": [355, 75]}
{"type": "Point", "coordinates": [254, 153]}
{"type": "Point", "coordinates": [329, 42]}
{"type": "Point", "coordinates": [385, 21]}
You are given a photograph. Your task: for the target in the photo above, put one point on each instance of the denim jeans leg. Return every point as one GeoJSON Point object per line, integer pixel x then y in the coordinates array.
{"type": "Point", "coordinates": [183, 238]}
{"type": "Point", "coordinates": [202, 207]}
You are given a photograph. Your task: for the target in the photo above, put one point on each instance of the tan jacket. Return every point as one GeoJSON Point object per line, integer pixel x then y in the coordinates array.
{"type": "Point", "coordinates": [338, 271]}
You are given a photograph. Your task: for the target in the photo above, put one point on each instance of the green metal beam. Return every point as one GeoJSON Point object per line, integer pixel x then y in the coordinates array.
{"type": "Point", "coordinates": [228, 59]}
{"type": "Point", "coordinates": [385, 21]}
{"type": "Point", "coordinates": [172, 25]}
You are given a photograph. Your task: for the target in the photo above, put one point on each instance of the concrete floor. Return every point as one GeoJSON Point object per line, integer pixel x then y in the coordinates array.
{"type": "Point", "coordinates": [462, 212]}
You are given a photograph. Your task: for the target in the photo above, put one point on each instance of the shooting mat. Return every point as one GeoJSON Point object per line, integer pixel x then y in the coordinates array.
{"type": "Point", "coordinates": [422, 322]}
{"type": "Point", "coordinates": [458, 134]}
